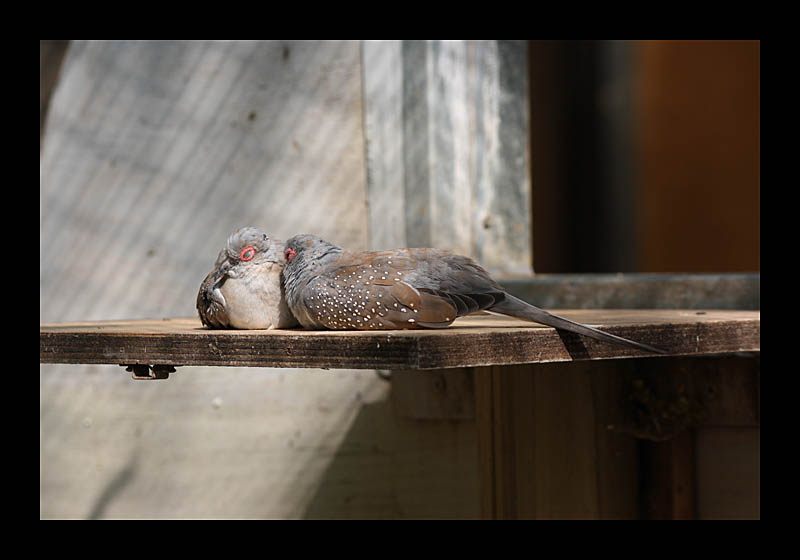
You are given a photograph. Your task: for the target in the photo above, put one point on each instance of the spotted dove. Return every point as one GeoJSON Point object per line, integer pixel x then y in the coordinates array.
{"type": "Point", "coordinates": [328, 287]}
{"type": "Point", "coordinates": [244, 289]}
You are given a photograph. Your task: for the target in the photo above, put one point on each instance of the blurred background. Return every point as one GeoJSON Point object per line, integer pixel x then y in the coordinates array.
{"type": "Point", "coordinates": [654, 142]}
{"type": "Point", "coordinates": [545, 156]}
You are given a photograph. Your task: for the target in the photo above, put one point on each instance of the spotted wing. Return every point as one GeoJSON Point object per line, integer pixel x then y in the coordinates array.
{"type": "Point", "coordinates": [377, 291]}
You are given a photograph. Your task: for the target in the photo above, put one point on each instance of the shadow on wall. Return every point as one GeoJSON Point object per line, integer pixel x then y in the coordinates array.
{"type": "Point", "coordinates": [390, 467]}
{"type": "Point", "coordinates": [115, 486]}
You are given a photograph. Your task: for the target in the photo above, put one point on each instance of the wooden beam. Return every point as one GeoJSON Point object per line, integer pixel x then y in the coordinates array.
{"type": "Point", "coordinates": [477, 340]}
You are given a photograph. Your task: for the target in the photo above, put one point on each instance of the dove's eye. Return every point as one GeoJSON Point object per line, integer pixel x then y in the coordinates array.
{"type": "Point", "coordinates": [247, 253]}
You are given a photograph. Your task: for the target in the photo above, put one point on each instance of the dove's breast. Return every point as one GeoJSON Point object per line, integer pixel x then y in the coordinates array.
{"type": "Point", "coordinates": [255, 301]}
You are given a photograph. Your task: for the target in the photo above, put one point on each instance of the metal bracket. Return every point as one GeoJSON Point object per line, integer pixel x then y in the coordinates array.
{"type": "Point", "coordinates": [147, 372]}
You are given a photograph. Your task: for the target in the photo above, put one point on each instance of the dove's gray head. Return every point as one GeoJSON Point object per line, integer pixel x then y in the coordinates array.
{"type": "Point", "coordinates": [248, 247]}
{"type": "Point", "coordinates": [243, 290]}
{"type": "Point", "coordinates": [305, 256]}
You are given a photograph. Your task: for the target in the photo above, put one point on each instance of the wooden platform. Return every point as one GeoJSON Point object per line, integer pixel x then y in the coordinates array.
{"type": "Point", "coordinates": [478, 340]}
{"type": "Point", "coordinates": [554, 440]}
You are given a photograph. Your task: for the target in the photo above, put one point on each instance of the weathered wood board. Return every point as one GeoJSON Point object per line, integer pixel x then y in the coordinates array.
{"type": "Point", "coordinates": [471, 341]}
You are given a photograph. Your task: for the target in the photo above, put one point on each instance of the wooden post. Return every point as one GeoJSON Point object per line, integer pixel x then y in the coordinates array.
{"type": "Point", "coordinates": [545, 450]}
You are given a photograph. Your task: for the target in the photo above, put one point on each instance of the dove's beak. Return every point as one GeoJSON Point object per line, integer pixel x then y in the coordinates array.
{"type": "Point", "coordinates": [220, 275]}
{"type": "Point", "coordinates": [222, 272]}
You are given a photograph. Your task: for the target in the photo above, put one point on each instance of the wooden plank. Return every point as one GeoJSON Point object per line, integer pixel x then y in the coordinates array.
{"type": "Point", "coordinates": [700, 457]}
{"type": "Point", "coordinates": [728, 472]}
{"type": "Point", "coordinates": [704, 473]}
{"type": "Point", "coordinates": [485, 425]}
{"type": "Point", "coordinates": [544, 448]}
{"type": "Point", "coordinates": [668, 477]}
{"type": "Point", "coordinates": [574, 440]}
{"type": "Point", "coordinates": [478, 340]}
{"type": "Point", "coordinates": [670, 405]}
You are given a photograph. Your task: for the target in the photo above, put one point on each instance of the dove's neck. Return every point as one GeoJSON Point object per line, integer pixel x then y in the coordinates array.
{"type": "Point", "coordinates": [307, 266]}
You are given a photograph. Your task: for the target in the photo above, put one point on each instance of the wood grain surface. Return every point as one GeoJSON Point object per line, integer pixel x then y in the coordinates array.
{"type": "Point", "coordinates": [478, 340]}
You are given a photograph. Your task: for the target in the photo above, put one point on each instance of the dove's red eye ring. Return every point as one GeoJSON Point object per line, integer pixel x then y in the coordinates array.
{"type": "Point", "coordinates": [290, 253]}
{"type": "Point", "coordinates": [247, 253]}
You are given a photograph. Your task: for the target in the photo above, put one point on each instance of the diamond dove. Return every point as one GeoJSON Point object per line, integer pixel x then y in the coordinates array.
{"type": "Point", "coordinates": [328, 287]}
{"type": "Point", "coordinates": [244, 289]}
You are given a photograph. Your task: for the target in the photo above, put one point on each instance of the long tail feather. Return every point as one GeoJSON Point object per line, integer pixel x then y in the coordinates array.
{"type": "Point", "coordinates": [515, 307]}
